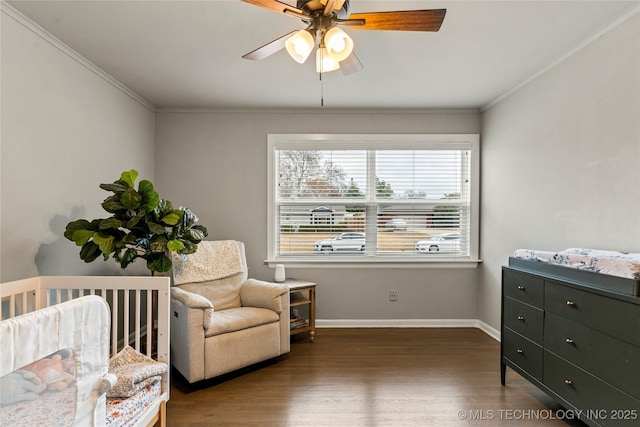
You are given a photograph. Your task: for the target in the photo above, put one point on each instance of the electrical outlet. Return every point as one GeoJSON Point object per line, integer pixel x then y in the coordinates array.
{"type": "Point", "coordinates": [393, 295]}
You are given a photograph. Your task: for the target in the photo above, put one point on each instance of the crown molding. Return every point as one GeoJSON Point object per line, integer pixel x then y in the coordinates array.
{"type": "Point", "coordinates": [324, 110]}
{"type": "Point", "coordinates": [14, 14]}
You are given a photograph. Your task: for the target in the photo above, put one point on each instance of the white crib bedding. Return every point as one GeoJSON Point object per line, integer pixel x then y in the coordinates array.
{"type": "Point", "coordinates": [125, 412]}
{"type": "Point", "coordinates": [621, 264]}
{"type": "Point", "coordinates": [53, 408]}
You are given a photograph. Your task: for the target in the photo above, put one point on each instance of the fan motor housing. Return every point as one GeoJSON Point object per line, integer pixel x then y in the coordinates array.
{"type": "Point", "coordinates": [311, 6]}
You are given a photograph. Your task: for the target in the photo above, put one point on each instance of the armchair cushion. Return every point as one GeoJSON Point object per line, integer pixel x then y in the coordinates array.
{"type": "Point", "coordinates": [256, 293]}
{"type": "Point", "coordinates": [223, 293]}
{"type": "Point", "coordinates": [236, 319]}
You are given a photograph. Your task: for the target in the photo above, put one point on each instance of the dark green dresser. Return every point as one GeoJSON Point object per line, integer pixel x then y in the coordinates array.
{"type": "Point", "coordinates": [575, 335]}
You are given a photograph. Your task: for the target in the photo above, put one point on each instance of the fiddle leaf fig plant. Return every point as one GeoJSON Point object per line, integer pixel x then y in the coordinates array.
{"type": "Point", "coordinates": [142, 225]}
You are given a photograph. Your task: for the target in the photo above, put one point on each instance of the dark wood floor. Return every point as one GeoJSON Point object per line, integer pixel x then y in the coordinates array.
{"type": "Point", "coordinates": [371, 377]}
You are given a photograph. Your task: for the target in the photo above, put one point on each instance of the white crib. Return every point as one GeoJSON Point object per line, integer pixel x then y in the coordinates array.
{"type": "Point", "coordinates": [134, 302]}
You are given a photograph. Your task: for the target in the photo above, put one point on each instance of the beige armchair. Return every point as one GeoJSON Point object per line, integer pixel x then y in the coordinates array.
{"type": "Point", "coordinates": [222, 324]}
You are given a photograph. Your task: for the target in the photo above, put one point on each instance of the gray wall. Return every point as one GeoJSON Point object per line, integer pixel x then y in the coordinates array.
{"type": "Point", "coordinates": [216, 164]}
{"type": "Point", "coordinates": [560, 160]}
{"type": "Point", "coordinates": [65, 129]}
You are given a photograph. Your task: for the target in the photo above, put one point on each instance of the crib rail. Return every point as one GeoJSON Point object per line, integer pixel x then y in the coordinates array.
{"type": "Point", "coordinates": [139, 306]}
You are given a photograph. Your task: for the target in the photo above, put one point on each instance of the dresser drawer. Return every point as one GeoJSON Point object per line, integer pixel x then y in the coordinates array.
{"type": "Point", "coordinates": [523, 287]}
{"type": "Point", "coordinates": [522, 352]}
{"type": "Point", "coordinates": [613, 317]}
{"type": "Point", "coordinates": [612, 360]}
{"type": "Point", "coordinates": [592, 396]}
{"type": "Point", "coordinates": [524, 319]}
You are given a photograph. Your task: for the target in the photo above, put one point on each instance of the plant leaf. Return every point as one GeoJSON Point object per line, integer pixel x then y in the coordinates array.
{"type": "Point", "coordinates": [129, 177]}
{"type": "Point", "coordinates": [110, 223]}
{"type": "Point", "coordinates": [81, 237]}
{"type": "Point", "coordinates": [189, 248]}
{"type": "Point", "coordinates": [173, 218]}
{"type": "Point", "coordinates": [202, 229]}
{"type": "Point", "coordinates": [160, 263]}
{"type": "Point", "coordinates": [89, 252]}
{"type": "Point", "coordinates": [112, 204]}
{"type": "Point", "coordinates": [130, 199]}
{"type": "Point", "coordinates": [135, 220]}
{"type": "Point", "coordinates": [150, 197]}
{"type": "Point", "coordinates": [73, 226]}
{"type": "Point", "coordinates": [155, 228]}
{"type": "Point", "coordinates": [175, 245]}
{"type": "Point", "coordinates": [115, 187]}
{"type": "Point", "coordinates": [130, 238]}
{"type": "Point", "coordinates": [128, 257]}
{"type": "Point", "coordinates": [188, 218]}
{"type": "Point", "coordinates": [158, 243]}
{"type": "Point", "coordinates": [194, 235]}
{"type": "Point", "coordinates": [164, 208]}
{"type": "Point", "coordinates": [105, 242]}
{"type": "Point", "coordinates": [145, 186]}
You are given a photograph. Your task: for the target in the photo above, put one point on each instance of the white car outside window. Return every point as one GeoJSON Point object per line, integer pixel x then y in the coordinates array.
{"type": "Point", "coordinates": [447, 242]}
{"type": "Point", "coordinates": [342, 242]}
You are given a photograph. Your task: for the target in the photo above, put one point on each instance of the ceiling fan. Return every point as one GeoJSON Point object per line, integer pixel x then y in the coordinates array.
{"type": "Point", "coordinates": [334, 46]}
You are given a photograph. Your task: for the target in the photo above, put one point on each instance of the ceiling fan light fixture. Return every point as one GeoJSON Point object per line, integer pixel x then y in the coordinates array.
{"type": "Point", "coordinates": [339, 44]}
{"type": "Point", "coordinates": [300, 45]}
{"type": "Point", "coordinates": [324, 62]}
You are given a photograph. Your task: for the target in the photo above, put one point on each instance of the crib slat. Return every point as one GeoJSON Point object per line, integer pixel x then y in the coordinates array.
{"type": "Point", "coordinates": [127, 326]}
{"type": "Point", "coordinates": [114, 323]}
{"type": "Point", "coordinates": [137, 325]}
{"type": "Point", "coordinates": [12, 306]}
{"type": "Point", "coordinates": [150, 322]}
{"type": "Point", "coordinates": [25, 302]}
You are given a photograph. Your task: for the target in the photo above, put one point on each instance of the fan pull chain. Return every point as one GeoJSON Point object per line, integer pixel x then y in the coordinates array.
{"type": "Point", "coordinates": [321, 81]}
{"type": "Point", "coordinates": [321, 90]}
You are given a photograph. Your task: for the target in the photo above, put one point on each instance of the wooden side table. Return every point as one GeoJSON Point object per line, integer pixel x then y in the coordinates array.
{"type": "Point", "coordinates": [302, 293]}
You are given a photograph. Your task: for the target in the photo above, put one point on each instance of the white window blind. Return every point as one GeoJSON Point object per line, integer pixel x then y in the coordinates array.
{"type": "Point", "coordinates": [372, 198]}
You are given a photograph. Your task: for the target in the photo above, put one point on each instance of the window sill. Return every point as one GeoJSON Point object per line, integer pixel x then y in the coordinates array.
{"type": "Point", "coordinates": [446, 263]}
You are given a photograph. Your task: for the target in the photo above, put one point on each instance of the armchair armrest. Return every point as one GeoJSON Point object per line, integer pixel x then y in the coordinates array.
{"type": "Point", "coordinates": [190, 299]}
{"type": "Point", "coordinates": [190, 313]}
{"type": "Point", "coordinates": [256, 293]}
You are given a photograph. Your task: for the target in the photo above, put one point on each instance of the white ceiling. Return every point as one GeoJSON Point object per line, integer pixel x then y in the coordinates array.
{"type": "Point", "coordinates": [187, 54]}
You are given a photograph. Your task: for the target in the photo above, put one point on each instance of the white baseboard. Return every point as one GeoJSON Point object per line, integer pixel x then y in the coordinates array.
{"type": "Point", "coordinates": [409, 323]}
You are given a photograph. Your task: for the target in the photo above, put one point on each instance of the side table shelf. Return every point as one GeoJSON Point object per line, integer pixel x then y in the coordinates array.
{"type": "Point", "coordinates": [302, 298]}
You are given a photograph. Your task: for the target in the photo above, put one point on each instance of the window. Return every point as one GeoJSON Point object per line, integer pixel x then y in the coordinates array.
{"type": "Point", "coordinates": [378, 199]}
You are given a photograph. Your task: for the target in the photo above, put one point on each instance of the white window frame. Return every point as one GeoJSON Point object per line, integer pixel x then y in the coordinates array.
{"type": "Point", "coordinates": [371, 141]}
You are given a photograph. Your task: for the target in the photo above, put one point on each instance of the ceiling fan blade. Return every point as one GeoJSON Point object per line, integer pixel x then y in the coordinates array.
{"type": "Point", "coordinates": [351, 64]}
{"type": "Point", "coordinates": [274, 5]}
{"type": "Point", "coordinates": [268, 49]}
{"type": "Point", "coordinates": [410, 20]}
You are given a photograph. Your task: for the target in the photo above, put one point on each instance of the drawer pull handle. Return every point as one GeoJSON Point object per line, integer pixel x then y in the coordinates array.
{"type": "Point", "coordinates": [571, 304]}
{"type": "Point", "coordinates": [520, 288]}
{"type": "Point", "coordinates": [569, 341]}
{"type": "Point", "coordinates": [520, 351]}
{"type": "Point", "coordinates": [521, 318]}
{"type": "Point", "coordinates": [568, 382]}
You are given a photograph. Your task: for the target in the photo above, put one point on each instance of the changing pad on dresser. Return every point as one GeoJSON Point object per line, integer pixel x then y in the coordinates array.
{"type": "Point", "coordinates": [611, 270]}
